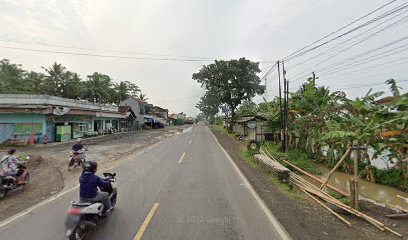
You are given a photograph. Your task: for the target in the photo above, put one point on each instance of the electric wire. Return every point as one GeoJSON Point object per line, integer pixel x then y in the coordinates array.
{"type": "Point", "coordinates": [337, 47]}
{"type": "Point", "coordinates": [103, 55]}
{"type": "Point", "coordinates": [338, 30]}
{"type": "Point", "coordinates": [388, 13]}
{"type": "Point", "coordinates": [343, 50]}
{"type": "Point", "coordinates": [112, 51]}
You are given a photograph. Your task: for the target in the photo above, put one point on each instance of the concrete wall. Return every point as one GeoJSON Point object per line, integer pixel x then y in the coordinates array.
{"type": "Point", "coordinates": [134, 104]}
{"type": "Point", "coordinates": [23, 118]}
{"type": "Point", "coordinates": [19, 119]}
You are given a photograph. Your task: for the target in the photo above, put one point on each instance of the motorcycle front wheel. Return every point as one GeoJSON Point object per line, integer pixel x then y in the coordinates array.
{"type": "Point", "coordinates": [26, 179]}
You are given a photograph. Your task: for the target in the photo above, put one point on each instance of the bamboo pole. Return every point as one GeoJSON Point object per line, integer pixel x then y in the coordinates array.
{"type": "Point", "coordinates": [336, 166]}
{"type": "Point", "coordinates": [392, 231]}
{"type": "Point", "coordinates": [333, 212]}
{"type": "Point", "coordinates": [311, 189]}
{"type": "Point", "coordinates": [355, 182]}
{"type": "Point", "coordinates": [269, 154]}
{"type": "Point", "coordinates": [397, 215]}
{"type": "Point", "coordinates": [316, 179]}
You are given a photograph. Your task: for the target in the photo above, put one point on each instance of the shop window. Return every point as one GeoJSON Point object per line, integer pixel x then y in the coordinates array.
{"type": "Point", "coordinates": [83, 127]}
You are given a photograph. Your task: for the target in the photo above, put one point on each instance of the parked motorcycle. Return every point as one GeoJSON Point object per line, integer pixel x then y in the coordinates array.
{"type": "Point", "coordinates": [10, 183]}
{"type": "Point", "coordinates": [84, 217]}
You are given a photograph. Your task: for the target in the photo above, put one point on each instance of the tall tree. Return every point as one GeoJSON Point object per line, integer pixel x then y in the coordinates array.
{"type": "Point", "coordinates": [55, 77]}
{"type": "Point", "coordinates": [11, 78]}
{"type": "Point", "coordinates": [132, 89]}
{"type": "Point", "coordinates": [209, 105]}
{"type": "Point", "coordinates": [124, 90]}
{"type": "Point", "coordinates": [98, 88]}
{"type": "Point", "coordinates": [247, 108]}
{"type": "Point", "coordinates": [71, 86]}
{"type": "Point", "coordinates": [143, 97]}
{"type": "Point", "coordinates": [232, 81]}
{"type": "Point", "coordinates": [37, 82]}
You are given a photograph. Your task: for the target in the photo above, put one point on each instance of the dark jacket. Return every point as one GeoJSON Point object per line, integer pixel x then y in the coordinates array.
{"type": "Point", "coordinates": [77, 147]}
{"type": "Point", "coordinates": [89, 183]}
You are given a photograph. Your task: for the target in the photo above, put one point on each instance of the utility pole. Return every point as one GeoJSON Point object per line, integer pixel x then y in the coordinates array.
{"type": "Point", "coordinates": [280, 109]}
{"type": "Point", "coordinates": [314, 79]}
{"type": "Point", "coordinates": [286, 116]}
{"type": "Point", "coordinates": [285, 107]}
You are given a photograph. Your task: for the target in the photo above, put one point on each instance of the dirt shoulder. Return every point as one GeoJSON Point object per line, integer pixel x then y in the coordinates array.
{"type": "Point", "coordinates": [302, 218]}
{"type": "Point", "coordinates": [48, 165]}
{"type": "Point", "coordinates": [45, 180]}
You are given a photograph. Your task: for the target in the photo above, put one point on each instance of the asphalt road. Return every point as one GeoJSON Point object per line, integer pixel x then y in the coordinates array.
{"type": "Point", "coordinates": [196, 191]}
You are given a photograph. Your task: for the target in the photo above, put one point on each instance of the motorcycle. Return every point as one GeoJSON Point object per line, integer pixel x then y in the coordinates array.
{"type": "Point", "coordinates": [77, 158]}
{"type": "Point", "coordinates": [10, 183]}
{"type": "Point", "coordinates": [84, 217]}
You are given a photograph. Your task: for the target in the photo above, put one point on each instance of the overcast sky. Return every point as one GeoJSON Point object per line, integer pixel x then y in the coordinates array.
{"type": "Point", "coordinates": [261, 30]}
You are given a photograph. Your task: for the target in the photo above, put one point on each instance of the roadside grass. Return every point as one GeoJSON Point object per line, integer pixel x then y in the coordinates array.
{"type": "Point", "coordinates": [297, 157]}
{"type": "Point", "coordinates": [249, 159]}
{"type": "Point", "coordinates": [224, 131]}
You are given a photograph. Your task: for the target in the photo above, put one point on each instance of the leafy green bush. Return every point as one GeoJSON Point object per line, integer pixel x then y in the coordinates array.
{"type": "Point", "coordinates": [391, 177]}
{"type": "Point", "coordinates": [218, 121]}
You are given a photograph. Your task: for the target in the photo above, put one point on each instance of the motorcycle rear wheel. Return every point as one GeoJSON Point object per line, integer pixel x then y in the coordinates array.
{"type": "Point", "coordinates": [3, 193]}
{"type": "Point", "coordinates": [77, 235]}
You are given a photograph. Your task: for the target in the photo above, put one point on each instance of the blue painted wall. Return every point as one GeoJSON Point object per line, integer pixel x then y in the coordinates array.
{"type": "Point", "coordinates": [23, 118]}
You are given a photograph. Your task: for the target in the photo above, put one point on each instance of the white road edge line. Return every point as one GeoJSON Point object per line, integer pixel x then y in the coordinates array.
{"type": "Point", "coordinates": [279, 228]}
{"type": "Point", "coordinates": [27, 211]}
{"type": "Point", "coordinates": [18, 215]}
{"type": "Point", "coordinates": [182, 157]}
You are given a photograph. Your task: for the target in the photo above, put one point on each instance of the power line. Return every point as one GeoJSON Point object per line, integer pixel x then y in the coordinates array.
{"type": "Point", "coordinates": [354, 37]}
{"type": "Point", "coordinates": [293, 55]}
{"type": "Point", "coordinates": [370, 85]}
{"type": "Point", "coordinates": [367, 76]}
{"type": "Point", "coordinates": [105, 56]}
{"type": "Point", "coordinates": [113, 51]}
{"type": "Point", "coordinates": [177, 99]}
{"type": "Point", "coordinates": [356, 43]}
{"type": "Point", "coordinates": [373, 66]}
{"type": "Point", "coordinates": [270, 69]}
{"type": "Point", "coordinates": [367, 53]}
{"type": "Point", "coordinates": [358, 62]}
{"type": "Point", "coordinates": [338, 30]}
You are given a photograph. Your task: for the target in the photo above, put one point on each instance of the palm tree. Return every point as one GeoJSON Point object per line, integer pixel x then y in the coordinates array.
{"type": "Point", "coordinates": [121, 92]}
{"type": "Point", "coordinates": [55, 78]}
{"type": "Point", "coordinates": [11, 78]}
{"type": "Point", "coordinates": [98, 88]}
{"type": "Point", "coordinates": [143, 97]}
{"type": "Point", "coordinates": [37, 82]}
{"type": "Point", "coordinates": [72, 86]}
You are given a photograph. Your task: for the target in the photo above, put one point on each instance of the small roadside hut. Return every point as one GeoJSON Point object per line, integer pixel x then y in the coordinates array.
{"type": "Point", "coordinates": [251, 127]}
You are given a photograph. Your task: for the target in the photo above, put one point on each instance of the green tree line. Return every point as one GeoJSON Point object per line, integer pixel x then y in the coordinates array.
{"type": "Point", "coordinates": [57, 80]}
{"type": "Point", "coordinates": [325, 123]}
{"type": "Point", "coordinates": [321, 123]}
